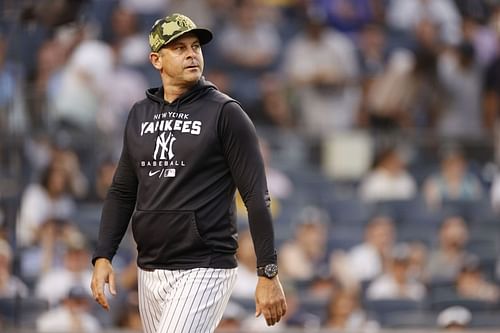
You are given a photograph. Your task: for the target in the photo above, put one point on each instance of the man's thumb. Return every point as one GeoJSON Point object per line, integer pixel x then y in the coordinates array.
{"type": "Point", "coordinates": [112, 286]}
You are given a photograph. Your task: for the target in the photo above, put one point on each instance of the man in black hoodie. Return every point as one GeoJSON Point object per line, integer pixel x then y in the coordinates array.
{"type": "Point", "coordinates": [187, 148]}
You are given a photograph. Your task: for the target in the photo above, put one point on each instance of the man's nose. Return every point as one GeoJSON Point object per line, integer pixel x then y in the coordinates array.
{"type": "Point", "coordinates": [191, 52]}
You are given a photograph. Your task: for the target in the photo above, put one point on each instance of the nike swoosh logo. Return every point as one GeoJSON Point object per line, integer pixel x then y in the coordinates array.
{"type": "Point", "coordinates": [152, 173]}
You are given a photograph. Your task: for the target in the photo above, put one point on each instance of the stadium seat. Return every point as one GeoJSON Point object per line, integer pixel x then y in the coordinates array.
{"type": "Point", "coordinates": [485, 320]}
{"type": "Point", "coordinates": [473, 305]}
{"type": "Point", "coordinates": [345, 236]}
{"type": "Point", "coordinates": [412, 211]}
{"type": "Point", "coordinates": [383, 309]}
{"type": "Point", "coordinates": [87, 217]}
{"type": "Point", "coordinates": [22, 312]}
{"type": "Point", "coordinates": [349, 211]}
{"type": "Point", "coordinates": [410, 319]}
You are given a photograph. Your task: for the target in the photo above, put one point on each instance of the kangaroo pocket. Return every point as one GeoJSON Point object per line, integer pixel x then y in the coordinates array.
{"type": "Point", "coordinates": [168, 239]}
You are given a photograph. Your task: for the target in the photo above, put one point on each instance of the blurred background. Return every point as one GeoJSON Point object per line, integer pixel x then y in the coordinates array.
{"type": "Point", "coordinates": [379, 122]}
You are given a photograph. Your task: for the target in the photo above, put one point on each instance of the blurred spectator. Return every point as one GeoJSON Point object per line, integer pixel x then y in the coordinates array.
{"type": "Point", "coordinates": [483, 38]}
{"type": "Point", "coordinates": [453, 181]}
{"type": "Point", "coordinates": [408, 93]}
{"type": "Point", "coordinates": [350, 16]}
{"type": "Point", "coordinates": [82, 88]}
{"type": "Point", "coordinates": [418, 260]}
{"type": "Point", "coordinates": [68, 160]}
{"type": "Point", "coordinates": [495, 193]}
{"type": "Point", "coordinates": [366, 261]}
{"type": "Point", "coordinates": [145, 7]}
{"type": "Point", "coordinates": [200, 11]}
{"type": "Point", "coordinates": [387, 95]}
{"type": "Point", "coordinates": [38, 151]}
{"type": "Point", "coordinates": [396, 282]}
{"type": "Point", "coordinates": [128, 86]}
{"type": "Point", "coordinates": [53, 238]}
{"type": "Point", "coordinates": [491, 90]}
{"type": "Point", "coordinates": [72, 315]}
{"type": "Point", "coordinates": [54, 14]}
{"type": "Point", "coordinates": [477, 10]}
{"type": "Point", "coordinates": [129, 318]}
{"type": "Point", "coordinates": [247, 278]}
{"type": "Point", "coordinates": [219, 77]}
{"type": "Point", "coordinates": [322, 286]}
{"type": "Point", "coordinates": [10, 285]}
{"type": "Point", "coordinates": [275, 108]}
{"type": "Point", "coordinates": [46, 200]}
{"type": "Point", "coordinates": [249, 46]}
{"type": "Point", "coordinates": [472, 284]}
{"type": "Point", "coordinates": [389, 178]}
{"type": "Point", "coordinates": [301, 256]}
{"type": "Point", "coordinates": [447, 259]}
{"type": "Point", "coordinates": [454, 318]}
{"type": "Point", "coordinates": [461, 78]}
{"type": "Point", "coordinates": [373, 56]}
{"type": "Point", "coordinates": [103, 179]}
{"type": "Point", "coordinates": [321, 66]}
{"type": "Point", "coordinates": [57, 282]}
{"type": "Point", "coordinates": [427, 39]}
{"type": "Point", "coordinates": [13, 118]}
{"type": "Point", "coordinates": [345, 314]}
{"type": "Point", "coordinates": [299, 313]}
{"type": "Point", "coordinates": [52, 56]}
{"type": "Point", "coordinates": [279, 184]}
{"type": "Point", "coordinates": [127, 39]}
{"type": "Point", "coordinates": [425, 88]}
{"type": "Point", "coordinates": [232, 318]}
{"type": "Point", "coordinates": [373, 51]}
{"type": "Point", "coordinates": [404, 15]}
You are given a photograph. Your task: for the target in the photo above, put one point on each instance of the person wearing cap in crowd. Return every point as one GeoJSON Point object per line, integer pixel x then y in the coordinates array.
{"type": "Point", "coordinates": [187, 147]}
{"type": "Point", "coordinates": [396, 281]}
{"type": "Point", "coordinates": [72, 315]}
{"type": "Point", "coordinates": [10, 284]}
{"type": "Point", "coordinates": [454, 318]}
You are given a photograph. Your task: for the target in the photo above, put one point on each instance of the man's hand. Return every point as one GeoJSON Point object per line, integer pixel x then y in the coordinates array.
{"type": "Point", "coordinates": [270, 300]}
{"type": "Point", "coordinates": [103, 273]}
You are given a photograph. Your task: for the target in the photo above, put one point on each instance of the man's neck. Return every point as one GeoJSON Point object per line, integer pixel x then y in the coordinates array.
{"type": "Point", "coordinates": [173, 91]}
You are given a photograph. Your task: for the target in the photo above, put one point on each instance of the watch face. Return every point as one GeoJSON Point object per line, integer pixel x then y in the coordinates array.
{"type": "Point", "coordinates": [271, 270]}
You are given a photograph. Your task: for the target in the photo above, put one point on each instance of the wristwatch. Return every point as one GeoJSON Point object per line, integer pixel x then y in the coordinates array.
{"type": "Point", "coordinates": [269, 271]}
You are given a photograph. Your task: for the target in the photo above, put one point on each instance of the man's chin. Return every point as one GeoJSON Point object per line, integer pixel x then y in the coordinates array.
{"type": "Point", "coordinates": [192, 77]}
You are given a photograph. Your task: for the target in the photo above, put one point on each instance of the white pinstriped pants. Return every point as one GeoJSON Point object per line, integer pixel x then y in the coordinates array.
{"type": "Point", "coordinates": [184, 301]}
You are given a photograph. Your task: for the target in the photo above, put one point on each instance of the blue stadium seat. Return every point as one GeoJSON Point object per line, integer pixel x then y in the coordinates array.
{"type": "Point", "coordinates": [22, 312]}
{"type": "Point", "coordinates": [485, 320]}
{"type": "Point", "coordinates": [474, 305]}
{"type": "Point", "coordinates": [382, 309]}
{"type": "Point", "coordinates": [407, 211]}
{"type": "Point", "coordinates": [411, 319]}
{"type": "Point", "coordinates": [87, 217]}
{"type": "Point", "coordinates": [349, 211]}
{"type": "Point", "coordinates": [345, 236]}
{"type": "Point", "coordinates": [422, 232]}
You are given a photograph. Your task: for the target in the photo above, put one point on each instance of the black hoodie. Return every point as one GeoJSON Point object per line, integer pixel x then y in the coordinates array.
{"type": "Point", "coordinates": [178, 172]}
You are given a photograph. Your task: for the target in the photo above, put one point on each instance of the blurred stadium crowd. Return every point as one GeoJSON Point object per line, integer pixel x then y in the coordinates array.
{"type": "Point", "coordinates": [380, 127]}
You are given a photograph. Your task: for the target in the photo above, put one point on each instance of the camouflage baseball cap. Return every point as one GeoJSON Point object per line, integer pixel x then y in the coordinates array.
{"type": "Point", "coordinates": [173, 26]}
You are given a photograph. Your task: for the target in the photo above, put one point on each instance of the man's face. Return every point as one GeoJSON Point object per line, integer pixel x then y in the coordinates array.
{"type": "Point", "coordinates": [181, 61]}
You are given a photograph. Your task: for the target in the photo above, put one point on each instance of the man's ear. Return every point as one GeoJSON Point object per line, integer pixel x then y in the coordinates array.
{"type": "Point", "coordinates": [154, 57]}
